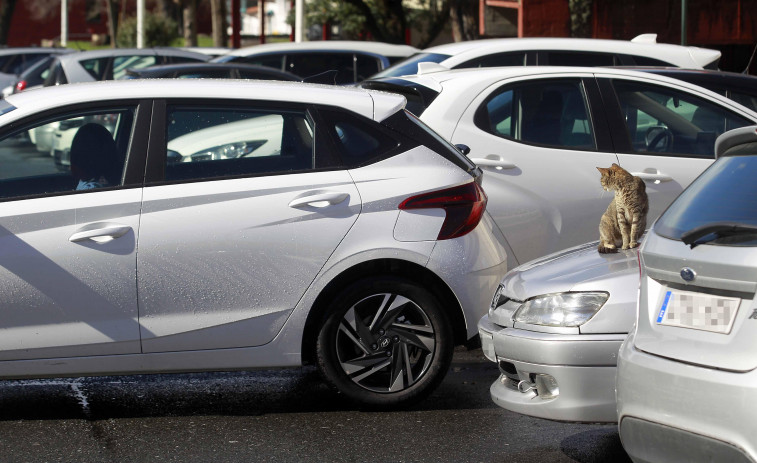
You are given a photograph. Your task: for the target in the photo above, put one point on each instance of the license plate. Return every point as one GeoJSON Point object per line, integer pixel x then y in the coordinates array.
{"type": "Point", "coordinates": [698, 311]}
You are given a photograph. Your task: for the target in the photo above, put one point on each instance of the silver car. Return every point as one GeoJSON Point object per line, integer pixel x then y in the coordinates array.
{"type": "Point", "coordinates": [687, 375]}
{"type": "Point", "coordinates": [307, 224]}
{"type": "Point", "coordinates": [554, 328]}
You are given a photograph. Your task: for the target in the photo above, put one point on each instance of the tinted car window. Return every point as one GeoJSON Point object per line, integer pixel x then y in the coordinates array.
{"type": "Point", "coordinates": [748, 100]}
{"type": "Point", "coordinates": [726, 192]}
{"type": "Point", "coordinates": [310, 64]}
{"type": "Point", "coordinates": [208, 143]}
{"type": "Point", "coordinates": [359, 141]}
{"type": "Point", "coordinates": [272, 61]}
{"type": "Point", "coordinates": [206, 74]}
{"type": "Point", "coordinates": [74, 152]}
{"type": "Point", "coordinates": [644, 61]}
{"type": "Point", "coordinates": [366, 66]}
{"type": "Point", "coordinates": [500, 59]}
{"type": "Point", "coordinates": [576, 58]}
{"type": "Point", "coordinates": [663, 120]}
{"type": "Point", "coordinates": [546, 112]}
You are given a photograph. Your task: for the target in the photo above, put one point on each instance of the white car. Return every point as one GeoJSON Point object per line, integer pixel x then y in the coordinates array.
{"type": "Point", "coordinates": [351, 61]}
{"type": "Point", "coordinates": [361, 243]}
{"type": "Point", "coordinates": [539, 133]}
{"type": "Point", "coordinates": [686, 383]}
{"type": "Point", "coordinates": [110, 64]}
{"type": "Point", "coordinates": [548, 51]}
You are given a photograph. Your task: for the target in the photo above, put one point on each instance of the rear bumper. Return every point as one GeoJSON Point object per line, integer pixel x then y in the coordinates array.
{"type": "Point", "coordinates": [580, 369]}
{"type": "Point", "coordinates": [671, 411]}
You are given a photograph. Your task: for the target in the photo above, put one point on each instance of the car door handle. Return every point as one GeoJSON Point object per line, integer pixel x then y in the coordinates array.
{"type": "Point", "coordinates": [650, 177]}
{"type": "Point", "coordinates": [319, 200]}
{"type": "Point", "coordinates": [498, 162]}
{"type": "Point", "coordinates": [100, 234]}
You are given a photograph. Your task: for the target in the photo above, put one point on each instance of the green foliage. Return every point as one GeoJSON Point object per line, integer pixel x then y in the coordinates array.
{"type": "Point", "coordinates": [159, 31]}
{"type": "Point", "coordinates": [580, 17]}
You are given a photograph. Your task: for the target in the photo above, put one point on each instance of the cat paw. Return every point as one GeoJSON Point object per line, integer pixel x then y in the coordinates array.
{"type": "Point", "coordinates": [633, 244]}
{"type": "Point", "coordinates": [606, 249]}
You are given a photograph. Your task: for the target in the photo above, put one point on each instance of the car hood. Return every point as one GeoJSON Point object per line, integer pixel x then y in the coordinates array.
{"type": "Point", "coordinates": [579, 268]}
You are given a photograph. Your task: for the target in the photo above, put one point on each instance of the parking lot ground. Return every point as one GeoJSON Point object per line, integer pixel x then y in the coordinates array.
{"type": "Point", "coordinates": [282, 416]}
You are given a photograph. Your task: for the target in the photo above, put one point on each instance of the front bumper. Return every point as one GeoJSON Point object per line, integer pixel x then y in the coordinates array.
{"type": "Point", "coordinates": [554, 376]}
{"type": "Point", "coordinates": [672, 411]}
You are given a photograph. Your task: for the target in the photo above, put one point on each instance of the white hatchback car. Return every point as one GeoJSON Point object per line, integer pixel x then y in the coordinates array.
{"type": "Point", "coordinates": [360, 243]}
{"type": "Point", "coordinates": [539, 133]}
{"type": "Point", "coordinates": [548, 51]}
{"type": "Point", "coordinates": [687, 378]}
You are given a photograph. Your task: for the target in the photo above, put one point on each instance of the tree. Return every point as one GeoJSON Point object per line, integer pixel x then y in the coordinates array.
{"type": "Point", "coordinates": [6, 14]}
{"type": "Point", "coordinates": [189, 15]}
{"type": "Point", "coordinates": [218, 20]}
{"type": "Point", "coordinates": [580, 17]}
{"type": "Point", "coordinates": [111, 6]}
{"type": "Point", "coordinates": [387, 20]}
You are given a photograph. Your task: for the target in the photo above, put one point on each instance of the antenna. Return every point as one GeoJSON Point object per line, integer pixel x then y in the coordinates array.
{"type": "Point", "coordinates": [749, 64]}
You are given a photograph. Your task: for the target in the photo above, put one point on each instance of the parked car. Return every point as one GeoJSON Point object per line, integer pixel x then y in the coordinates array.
{"type": "Point", "coordinates": [741, 88]}
{"type": "Point", "coordinates": [209, 70]}
{"type": "Point", "coordinates": [15, 60]}
{"type": "Point", "coordinates": [554, 328]}
{"type": "Point", "coordinates": [33, 77]}
{"type": "Point", "coordinates": [539, 133]}
{"type": "Point", "coordinates": [546, 51]}
{"type": "Point", "coordinates": [95, 65]}
{"type": "Point", "coordinates": [686, 374]}
{"type": "Point", "coordinates": [341, 248]}
{"type": "Point", "coordinates": [353, 61]}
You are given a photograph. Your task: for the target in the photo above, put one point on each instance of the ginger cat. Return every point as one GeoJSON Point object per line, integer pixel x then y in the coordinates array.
{"type": "Point", "coordinates": [625, 219]}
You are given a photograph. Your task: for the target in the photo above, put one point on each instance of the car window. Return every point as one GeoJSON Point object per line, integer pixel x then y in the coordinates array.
{"type": "Point", "coordinates": [23, 62]}
{"type": "Point", "coordinates": [210, 143]}
{"type": "Point", "coordinates": [75, 152]}
{"type": "Point", "coordinates": [310, 64]}
{"type": "Point", "coordinates": [499, 59]}
{"type": "Point", "coordinates": [366, 66]}
{"type": "Point", "coordinates": [663, 120]}
{"type": "Point", "coordinates": [726, 193]}
{"type": "Point", "coordinates": [546, 112]}
{"type": "Point", "coordinates": [272, 60]}
{"type": "Point", "coordinates": [644, 61]}
{"type": "Point", "coordinates": [122, 63]}
{"type": "Point", "coordinates": [96, 67]}
{"type": "Point", "coordinates": [410, 65]}
{"type": "Point", "coordinates": [56, 76]}
{"type": "Point", "coordinates": [359, 142]}
{"type": "Point", "coordinates": [745, 99]}
{"type": "Point", "coordinates": [579, 58]}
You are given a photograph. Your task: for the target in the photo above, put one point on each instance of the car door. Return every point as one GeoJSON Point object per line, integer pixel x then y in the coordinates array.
{"type": "Point", "coordinates": [68, 238]}
{"type": "Point", "coordinates": [539, 142]}
{"type": "Point", "coordinates": [665, 135]}
{"type": "Point", "coordinates": [239, 216]}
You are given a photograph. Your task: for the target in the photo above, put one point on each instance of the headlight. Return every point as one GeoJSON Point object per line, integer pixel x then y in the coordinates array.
{"type": "Point", "coordinates": [227, 151]}
{"type": "Point", "coordinates": [560, 309]}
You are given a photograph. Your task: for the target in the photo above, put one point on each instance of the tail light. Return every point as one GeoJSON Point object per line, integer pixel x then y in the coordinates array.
{"type": "Point", "coordinates": [20, 86]}
{"type": "Point", "coordinates": [464, 205]}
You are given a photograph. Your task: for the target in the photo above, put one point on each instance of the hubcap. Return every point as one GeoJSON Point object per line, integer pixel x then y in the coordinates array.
{"type": "Point", "coordinates": [385, 343]}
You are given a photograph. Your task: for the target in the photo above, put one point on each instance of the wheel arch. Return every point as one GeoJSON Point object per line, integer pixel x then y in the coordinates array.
{"type": "Point", "coordinates": [387, 267]}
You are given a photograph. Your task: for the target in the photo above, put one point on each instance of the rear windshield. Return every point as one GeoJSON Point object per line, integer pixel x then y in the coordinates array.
{"type": "Point", "coordinates": [410, 65]}
{"type": "Point", "coordinates": [724, 193]}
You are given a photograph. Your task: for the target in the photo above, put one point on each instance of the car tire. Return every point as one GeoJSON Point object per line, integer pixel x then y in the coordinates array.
{"type": "Point", "coordinates": [386, 343]}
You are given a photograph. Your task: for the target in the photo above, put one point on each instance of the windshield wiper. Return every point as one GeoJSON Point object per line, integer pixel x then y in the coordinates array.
{"type": "Point", "coordinates": [718, 230]}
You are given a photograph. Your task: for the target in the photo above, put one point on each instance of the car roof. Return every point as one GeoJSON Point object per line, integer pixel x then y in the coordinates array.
{"type": "Point", "coordinates": [684, 56]}
{"type": "Point", "coordinates": [371, 104]}
{"type": "Point", "coordinates": [707, 78]}
{"type": "Point", "coordinates": [379, 48]}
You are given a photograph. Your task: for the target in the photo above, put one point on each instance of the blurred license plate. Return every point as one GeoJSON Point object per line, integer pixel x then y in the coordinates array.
{"type": "Point", "coordinates": [697, 310]}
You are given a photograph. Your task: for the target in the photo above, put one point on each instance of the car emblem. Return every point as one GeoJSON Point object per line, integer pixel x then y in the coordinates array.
{"type": "Point", "coordinates": [688, 274]}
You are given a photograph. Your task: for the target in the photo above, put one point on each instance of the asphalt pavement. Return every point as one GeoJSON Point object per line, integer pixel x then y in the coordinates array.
{"type": "Point", "coordinates": [281, 416]}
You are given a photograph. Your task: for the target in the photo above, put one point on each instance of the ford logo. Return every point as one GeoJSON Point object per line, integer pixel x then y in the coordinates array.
{"type": "Point", "coordinates": [688, 274]}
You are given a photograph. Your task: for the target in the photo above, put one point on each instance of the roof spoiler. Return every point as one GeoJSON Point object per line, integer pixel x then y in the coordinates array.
{"type": "Point", "coordinates": [737, 142]}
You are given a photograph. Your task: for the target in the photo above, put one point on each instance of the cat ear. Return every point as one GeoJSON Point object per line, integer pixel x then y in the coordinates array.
{"type": "Point", "coordinates": [615, 165]}
{"type": "Point", "coordinates": [601, 170]}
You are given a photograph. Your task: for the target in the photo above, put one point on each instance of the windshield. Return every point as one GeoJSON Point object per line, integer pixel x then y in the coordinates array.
{"type": "Point", "coordinates": [410, 65]}
{"type": "Point", "coordinates": [726, 193]}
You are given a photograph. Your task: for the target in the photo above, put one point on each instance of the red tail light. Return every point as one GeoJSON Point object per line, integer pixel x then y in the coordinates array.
{"type": "Point", "coordinates": [464, 205]}
{"type": "Point", "coordinates": [20, 85]}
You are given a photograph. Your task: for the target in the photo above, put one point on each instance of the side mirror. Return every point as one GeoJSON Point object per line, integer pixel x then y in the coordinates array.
{"type": "Point", "coordinates": [465, 149]}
